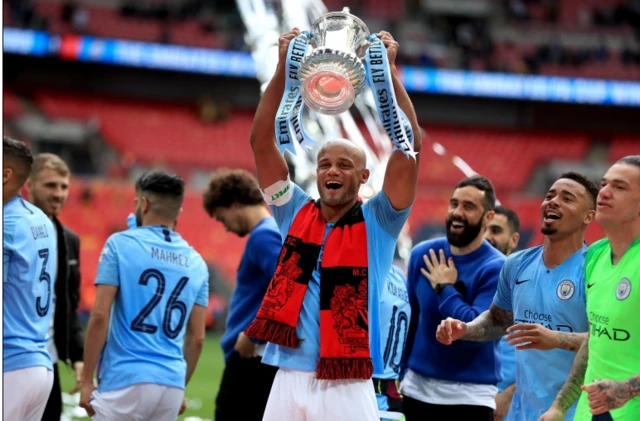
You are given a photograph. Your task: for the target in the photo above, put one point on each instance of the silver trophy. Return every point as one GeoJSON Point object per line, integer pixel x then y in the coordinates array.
{"type": "Point", "coordinates": [333, 74]}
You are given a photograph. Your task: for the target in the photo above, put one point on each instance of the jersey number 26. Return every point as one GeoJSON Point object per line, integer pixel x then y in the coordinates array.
{"type": "Point", "coordinates": [138, 323]}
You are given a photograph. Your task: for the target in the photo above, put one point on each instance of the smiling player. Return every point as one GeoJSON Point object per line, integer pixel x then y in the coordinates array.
{"type": "Point", "coordinates": [321, 312]}
{"type": "Point", "coordinates": [542, 290]}
{"type": "Point", "coordinates": [459, 381]}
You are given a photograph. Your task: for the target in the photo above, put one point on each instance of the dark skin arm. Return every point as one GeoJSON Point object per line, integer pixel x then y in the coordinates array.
{"type": "Point", "coordinates": [401, 176]}
{"type": "Point", "coordinates": [270, 164]}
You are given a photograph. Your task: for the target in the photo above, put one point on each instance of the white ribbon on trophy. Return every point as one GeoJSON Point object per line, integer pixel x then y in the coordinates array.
{"type": "Point", "coordinates": [264, 25]}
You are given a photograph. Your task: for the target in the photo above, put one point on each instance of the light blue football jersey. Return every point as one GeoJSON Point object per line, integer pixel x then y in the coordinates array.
{"type": "Point", "coordinates": [554, 298]}
{"type": "Point", "coordinates": [508, 353]}
{"type": "Point", "coordinates": [29, 262]}
{"type": "Point", "coordinates": [383, 225]}
{"type": "Point", "coordinates": [395, 313]}
{"type": "Point", "coordinates": [159, 279]}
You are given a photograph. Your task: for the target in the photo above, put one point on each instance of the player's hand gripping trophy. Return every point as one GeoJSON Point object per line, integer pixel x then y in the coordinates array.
{"type": "Point", "coordinates": [327, 67]}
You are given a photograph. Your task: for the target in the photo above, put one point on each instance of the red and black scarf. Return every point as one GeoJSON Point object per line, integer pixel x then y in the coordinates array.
{"type": "Point", "coordinates": [344, 303]}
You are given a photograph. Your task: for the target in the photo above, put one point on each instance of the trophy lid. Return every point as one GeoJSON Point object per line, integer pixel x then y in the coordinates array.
{"type": "Point", "coordinates": [344, 13]}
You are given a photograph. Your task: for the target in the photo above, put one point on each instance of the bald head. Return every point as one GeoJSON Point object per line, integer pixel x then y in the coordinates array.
{"type": "Point", "coordinates": [344, 148]}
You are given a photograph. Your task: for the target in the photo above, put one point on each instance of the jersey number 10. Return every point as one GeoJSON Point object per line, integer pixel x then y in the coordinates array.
{"type": "Point", "coordinates": [138, 323]}
{"type": "Point", "coordinates": [399, 323]}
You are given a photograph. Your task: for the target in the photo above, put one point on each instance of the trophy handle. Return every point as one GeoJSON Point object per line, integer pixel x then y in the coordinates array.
{"type": "Point", "coordinates": [364, 46]}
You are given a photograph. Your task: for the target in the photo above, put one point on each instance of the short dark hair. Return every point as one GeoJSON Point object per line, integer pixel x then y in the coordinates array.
{"type": "Point", "coordinates": [630, 160]}
{"type": "Point", "coordinates": [483, 184]}
{"type": "Point", "coordinates": [591, 187]}
{"type": "Point", "coordinates": [228, 187]}
{"type": "Point", "coordinates": [512, 217]}
{"type": "Point", "coordinates": [19, 157]}
{"type": "Point", "coordinates": [166, 188]}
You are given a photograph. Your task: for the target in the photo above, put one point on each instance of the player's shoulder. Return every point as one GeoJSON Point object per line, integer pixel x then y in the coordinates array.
{"type": "Point", "coordinates": [598, 248]}
{"type": "Point", "coordinates": [397, 275]}
{"type": "Point", "coordinates": [267, 227]}
{"type": "Point", "coordinates": [526, 256]}
{"type": "Point", "coordinates": [195, 258]}
{"type": "Point", "coordinates": [28, 216]}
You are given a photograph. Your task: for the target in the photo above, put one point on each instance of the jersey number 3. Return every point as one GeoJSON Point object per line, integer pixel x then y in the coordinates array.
{"type": "Point", "coordinates": [43, 310]}
{"type": "Point", "coordinates": [138, 323]}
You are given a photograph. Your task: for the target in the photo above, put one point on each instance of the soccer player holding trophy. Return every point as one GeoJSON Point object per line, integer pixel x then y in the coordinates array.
{"type": "Point", "coordinates": [321, 312]}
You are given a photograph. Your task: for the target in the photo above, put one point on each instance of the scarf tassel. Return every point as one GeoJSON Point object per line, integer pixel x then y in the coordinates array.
{"type": "Point", "coordinates": [344, 368]}
{"type": "Point", "coordinates": [274, 332]}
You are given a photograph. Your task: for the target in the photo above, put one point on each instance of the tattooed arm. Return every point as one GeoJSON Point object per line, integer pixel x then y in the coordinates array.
{"type": "Point", "coordinates": [634, 384]}
{"type": "Point", "coordinates": [571, 390]}
{"type": "Point", "coordinates": [535, 336]}
{"type": "Point", "coordinates": [571, 341]}
{"type": "Point", "coordinates": [605, 395]}
{"type": "Point", "coordinates": [490, 325]}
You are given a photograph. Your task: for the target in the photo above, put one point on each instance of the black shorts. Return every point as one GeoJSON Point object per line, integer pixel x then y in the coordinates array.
{"type": "Point", "coordinates": [244, 389]}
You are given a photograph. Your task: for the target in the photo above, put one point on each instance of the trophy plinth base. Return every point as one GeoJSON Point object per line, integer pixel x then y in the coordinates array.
{"type": "Point", "coordinates": [331, 80]}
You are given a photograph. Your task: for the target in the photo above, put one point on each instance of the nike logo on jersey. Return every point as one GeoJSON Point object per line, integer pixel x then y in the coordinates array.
{"type": "Point", "coordinates": [522, 281]}
{"type": "Point", "coordinates": [590, 285]}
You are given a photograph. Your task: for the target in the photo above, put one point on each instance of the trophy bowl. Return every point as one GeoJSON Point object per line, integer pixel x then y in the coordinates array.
{"type": "Point", "coordinates": [333, 74]}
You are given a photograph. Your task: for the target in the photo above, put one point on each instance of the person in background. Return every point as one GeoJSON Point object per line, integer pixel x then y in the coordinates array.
{"type": "Point", "coordinates": [147, 326]}
{"type": "Point", "coordinates": [233, 198]}
{"type": "Point", "coordinates": [48, 188]}
{"type": "Point", "coordinates": [456, 277]}
{"type": "Point", "coordinates": [395, 313]}
{"type": "Point", "coordinates": [502, 233]}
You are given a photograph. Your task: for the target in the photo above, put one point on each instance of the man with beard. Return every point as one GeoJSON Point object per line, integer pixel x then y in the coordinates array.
{"type": "Point", "coordinates": [233, 197]}
{"type": "Point", "coordinates": [324, 350]}
{"type": "Point", "coordinates": [454, 277]}
{"type": "Point", "coordinates": [542, 290]}
{"type": "Point", "coordinates": [502, 233]}
{"type": "Point", "coordinates": [147, 325]}
{"type": "Point", "coordinates": [605, 377]}
{"type": "Point", "coordinates": [48, 189]}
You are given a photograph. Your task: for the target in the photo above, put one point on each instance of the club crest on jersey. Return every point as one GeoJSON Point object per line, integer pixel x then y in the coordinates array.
{"type": "Point", "coordinates": [624, 289]}
{"type": "Point", "coordinates": [566, 289]}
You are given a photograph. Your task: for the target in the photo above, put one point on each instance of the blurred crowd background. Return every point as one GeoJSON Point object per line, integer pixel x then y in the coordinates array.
{"type": "Point", "coordinates": [111, 122]}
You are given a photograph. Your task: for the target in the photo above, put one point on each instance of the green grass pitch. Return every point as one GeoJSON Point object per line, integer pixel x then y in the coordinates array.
{"type": "Point", "coordinates": [200, 393]}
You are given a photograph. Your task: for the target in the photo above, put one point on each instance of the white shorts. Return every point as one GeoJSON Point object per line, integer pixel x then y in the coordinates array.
{"type": "Point", "coordinates": [26, 392]}
{"type": "Point", "coordinates": [144, 401]}
{"type": "Point", "coordinates": [299, 396]}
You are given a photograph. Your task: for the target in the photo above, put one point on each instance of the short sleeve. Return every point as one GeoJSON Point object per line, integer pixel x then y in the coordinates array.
{"type": "Point", "coordinates": [389, 219]}
{"type": "Point", "coordinates": [108, 273]}
{"type": "Point", "coordinates": [284, 213]}
{"type": "Point", "coordinates": [503, 297]}
{"type": "Point", "coordinates": [203, 294]}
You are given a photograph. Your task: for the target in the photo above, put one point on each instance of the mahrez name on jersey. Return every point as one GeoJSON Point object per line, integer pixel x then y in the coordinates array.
{"type": "Point", "coordinates": [169, 257]}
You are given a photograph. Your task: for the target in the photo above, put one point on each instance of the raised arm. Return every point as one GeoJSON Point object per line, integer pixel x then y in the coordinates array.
{"type": "Point", "coordinates": [401, 176]}
{"type": "Point", "coordinates": [270, 164]}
